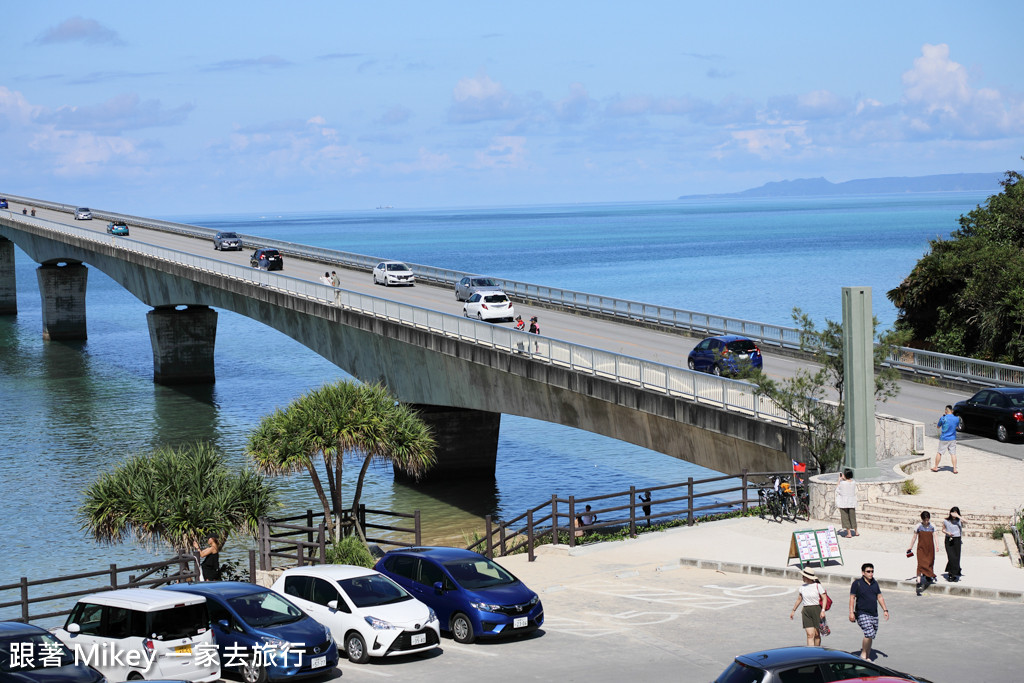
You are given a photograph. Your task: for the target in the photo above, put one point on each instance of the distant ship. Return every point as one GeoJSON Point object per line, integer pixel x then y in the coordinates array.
{"type": "Point", "coordinates": [386, 207]}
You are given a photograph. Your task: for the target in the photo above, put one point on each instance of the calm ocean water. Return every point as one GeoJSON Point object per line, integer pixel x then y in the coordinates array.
{"type": "Point", "coordinates": [71, 410]}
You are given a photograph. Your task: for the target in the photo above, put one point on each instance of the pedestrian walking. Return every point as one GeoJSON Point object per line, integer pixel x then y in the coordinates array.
{"type": "Point", "coordinates": [924, 535]}
{"type": "Point", "coordinates": [809, 602]}
{"type": "Point", "coordinates": [645, 503]}
{"type": "Point", "coordinates": [535, 329]}
{"type": "Point", "coordinates": [948, 424]}
{"type": "Point", "coordinates": [846, 501]}
{"type": "Point", "coordinates": [335, 280]}
{"type": "Point", "coordinates": [865, 597]}
{"type": "Point", "coordinates": [953, 528]}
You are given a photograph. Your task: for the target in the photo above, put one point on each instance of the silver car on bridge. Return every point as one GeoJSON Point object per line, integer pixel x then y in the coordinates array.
{"type": "Point", "coordinates": [469, 285]}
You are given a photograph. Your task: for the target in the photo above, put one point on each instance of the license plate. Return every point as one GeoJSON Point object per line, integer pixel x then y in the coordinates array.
{"type": "Point", "coordinates": [318, 662]}
{"type": "Point", "coordinates": [183, 650]}
{"type": "Point", "coordinates": [520, 622]}
{"type": "Point", "coordinates": [744, 356]}
{"type": "Point", "coordinates": [419, 639]}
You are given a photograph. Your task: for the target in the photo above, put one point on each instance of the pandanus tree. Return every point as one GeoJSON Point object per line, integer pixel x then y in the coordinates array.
{"type": "Point", "coordinates": [340, 421]}
{"type": "Point", "coordinates": [178, 496]}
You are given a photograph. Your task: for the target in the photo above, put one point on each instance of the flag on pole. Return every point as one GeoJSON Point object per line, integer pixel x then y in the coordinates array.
{"type": "Point", "coordinates": [799, 466]}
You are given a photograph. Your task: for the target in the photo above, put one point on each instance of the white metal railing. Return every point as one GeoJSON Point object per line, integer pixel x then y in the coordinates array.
{"type": "Point", "coordinates": [731, 395]}
{"type": "Point", "coordinates": [914, 361]}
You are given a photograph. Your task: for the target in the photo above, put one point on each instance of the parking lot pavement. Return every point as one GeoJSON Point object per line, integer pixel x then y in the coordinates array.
{"type": "Point", "coordinates": [673, 623]}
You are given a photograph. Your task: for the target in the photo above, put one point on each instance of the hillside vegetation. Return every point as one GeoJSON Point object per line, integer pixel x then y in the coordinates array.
{"type": "Point", "coordinates": [966, 295]}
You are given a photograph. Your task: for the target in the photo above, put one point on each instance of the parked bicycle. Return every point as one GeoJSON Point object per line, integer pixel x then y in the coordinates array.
{"type": "Point", "coordinates": [769, 502]}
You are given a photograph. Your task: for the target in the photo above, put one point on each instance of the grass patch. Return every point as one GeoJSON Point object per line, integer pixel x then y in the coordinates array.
{"type": "Point", "coordinates": [910, 487]}
{"type": "Point", "coordinates": [998, 530]}
{"type": "Point", "coordinates": [350, 550]}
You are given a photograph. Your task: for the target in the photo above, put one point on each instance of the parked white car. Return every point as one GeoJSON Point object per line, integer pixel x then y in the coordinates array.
{"type": "Point", "coordinates": [143, 634]}
{"type": "Point", "coordinates": [368, 614]}
{"type": "Point", "coordinates": [390, 273]}
{"type": "Point", "coordinates": [489, 306]}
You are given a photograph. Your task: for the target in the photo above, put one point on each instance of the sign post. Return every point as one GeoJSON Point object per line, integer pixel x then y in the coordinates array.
{"type": "Point", "coordinates": [815, 545]}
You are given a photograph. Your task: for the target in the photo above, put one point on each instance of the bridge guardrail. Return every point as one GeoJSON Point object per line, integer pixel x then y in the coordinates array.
{"type": "Point", "coordinates": [913, 361]}
{"type": "Point", "coordinates": [733, 395]}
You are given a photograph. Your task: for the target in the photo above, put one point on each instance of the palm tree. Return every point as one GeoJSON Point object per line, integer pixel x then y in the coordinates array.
{"type": "Point", "coordinates": [178, 496]}
{"type": "Point", "coordinates": [332, 422]}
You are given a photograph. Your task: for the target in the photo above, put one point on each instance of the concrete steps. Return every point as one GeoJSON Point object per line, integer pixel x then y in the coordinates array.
{"type": "Point", "coordinates": [894, 514]}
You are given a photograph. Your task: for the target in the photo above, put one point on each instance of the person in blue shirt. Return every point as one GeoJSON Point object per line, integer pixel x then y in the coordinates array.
{"type": "Point", "coordinates": [948, 425]}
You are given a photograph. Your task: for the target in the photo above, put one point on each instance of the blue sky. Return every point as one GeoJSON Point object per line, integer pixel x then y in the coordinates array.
{"type": "Point", "coordinates": [220, 107]}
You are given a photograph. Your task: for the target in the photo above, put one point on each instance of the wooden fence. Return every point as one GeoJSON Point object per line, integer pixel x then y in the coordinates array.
{"type": "Point", "coordinates": [176, 569]}
{"type": "Point", "coordinates": [561, 518]}
{"type": "Point", "coordinates": [302, 539]}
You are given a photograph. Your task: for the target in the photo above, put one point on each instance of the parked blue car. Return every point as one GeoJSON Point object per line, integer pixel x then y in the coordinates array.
{"type": "Point", "coordinates": [262, 635]}
{"type": "Point", "coordinates": [472, 596]}
{"type": "Point", "coordinates": [725, 354]}
{"type": "Point", "coordinates": [29, 653]}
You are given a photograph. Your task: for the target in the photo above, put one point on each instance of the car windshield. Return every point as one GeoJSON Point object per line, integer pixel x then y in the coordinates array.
{"type": "Point", "coordinates": [741, 346]}
{"type": "Point", "coordinates": [475, 574]}
{"type": "Point", "coordinates": [397, 266]}
{"type": "Point", "coordinates": [483, 282]}
{"type": "Point", "coordinates": [31, 651]}
{"type": "Point", "coordinates": [264, 609]}
{"type": "Point", "coordinates": [496, 299]}
{"type": "Point", "coordinates": [270, 253]}
{"type": "Point", "coordinates": [373, 590]}
{"type": "Point", "coordinates": [741, 673]}
{"type": "Point", "coordinates": [83, 209]}
{"type": "Point", "coordinates": [228, 236]}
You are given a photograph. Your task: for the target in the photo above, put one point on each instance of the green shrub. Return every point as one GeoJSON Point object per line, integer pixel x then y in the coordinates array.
{"type": "Point", "coordinates": [350, 550]}
{"type": "Point", "coordinates": [910, 487]}
{"type": "Point", "coordinates": [998, 530]}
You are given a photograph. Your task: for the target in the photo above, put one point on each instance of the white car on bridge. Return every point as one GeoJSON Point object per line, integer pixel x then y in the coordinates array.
{"type": "Point", "coordinates": [489, 306]}
{"type": "Point", "coordinates": [393, 273]}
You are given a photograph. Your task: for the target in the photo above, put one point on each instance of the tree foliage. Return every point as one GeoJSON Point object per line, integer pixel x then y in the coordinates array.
{"type": "Point", "coordinates": [179, 496]}
{"type": "Point", "coordinates": [966, 295]}
{"type": "Point", "coordinates": [815, 396]}
{"type": "Point", "coordinates": [334, 422]}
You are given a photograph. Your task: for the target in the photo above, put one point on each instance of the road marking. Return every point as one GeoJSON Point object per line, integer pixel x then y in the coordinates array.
{"type": "Point", "coordinates": [469, 649]}
{"type": "Point", "coordinates": [753, 591]}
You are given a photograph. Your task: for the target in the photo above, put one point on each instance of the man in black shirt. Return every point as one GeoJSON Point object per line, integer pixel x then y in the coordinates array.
{"type": "Point", "coordinates": [865, 596]}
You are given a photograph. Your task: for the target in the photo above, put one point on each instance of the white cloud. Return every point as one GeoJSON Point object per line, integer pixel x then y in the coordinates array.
{"type": "Point", "coordinates": [482, 99]}
{"type": "Point", "coordinates": [120, 113]}
{"type": "Point", "coordinates": [79, 29]}
{"type": "Point", "coordinates": [504, 152]}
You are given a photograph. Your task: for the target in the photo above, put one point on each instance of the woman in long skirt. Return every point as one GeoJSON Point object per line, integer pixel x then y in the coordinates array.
{"type": "Point", "coordinates": [924, 535]}
{"type": "Point", "coordinates": [953, 527]}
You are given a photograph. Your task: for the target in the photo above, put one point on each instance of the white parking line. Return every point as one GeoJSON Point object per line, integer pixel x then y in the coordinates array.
{"type": "Point", "coordinates": [468, 649]}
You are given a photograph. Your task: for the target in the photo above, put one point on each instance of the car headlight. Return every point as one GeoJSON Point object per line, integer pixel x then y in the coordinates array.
{"type": "Point", "coordinates": [432, 617]}
{"type": "Point", "coordinates": [275, 644]}
{"type": "Point", "coordinates": [485, 606]}
{"type": "Point", "coordinates": [379, 624]}
{"type": "Point", "coordinates": [534, 600]}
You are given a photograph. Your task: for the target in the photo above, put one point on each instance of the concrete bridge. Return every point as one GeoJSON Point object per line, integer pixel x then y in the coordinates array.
{"type": "Point", "coordinates": [461, 374]}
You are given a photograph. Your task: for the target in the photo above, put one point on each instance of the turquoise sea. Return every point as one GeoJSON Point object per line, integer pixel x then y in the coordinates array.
{"type": "Point", "coordinates": [71, 410]}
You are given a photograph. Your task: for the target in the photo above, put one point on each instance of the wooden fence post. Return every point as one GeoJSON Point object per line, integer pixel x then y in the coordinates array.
{"type": "Point", "coordinates": [24, 599]}
{"type": "Point", "coordinates": [488, 550]}
{"type": "Point", "coordinates": [416, 518]}
{"type": "Point", "coordinates": [554, 519]}
{"type": "Point", "coordinates": [689, 501]}
{"type": "Point", "coordinates": [252, 566]}
{"type": "Point", "coordinates": [322, 535]}
{"type": "Point", "coordinates": [309, 526]}
{"type": "Point", "coordinates": [529, 535]}
{"type": "Point", "coordinates": [113, 576]}
{"type": "Point", "coordinates": [746, 483]}
{"type": "Point", "coordinates": [632, 512]}
{"type": "Point", "coordinates": [501, 537]}
{"type": "Point", "coordinates": [572, 522]}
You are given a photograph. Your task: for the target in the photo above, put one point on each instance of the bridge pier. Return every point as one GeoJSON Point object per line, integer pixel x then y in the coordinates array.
{"type": "Point", "coordinates": [467, 442]}
{"type": "Point", "coordinates": [8, 288]}
{"type": "Point", "coordinates": [183, 342]}
{"type": "Point", "coordinates": [63, 292]}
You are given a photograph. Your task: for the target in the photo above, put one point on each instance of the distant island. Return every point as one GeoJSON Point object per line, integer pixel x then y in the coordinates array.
{"type": "Point", "coordinates": [810, 187]}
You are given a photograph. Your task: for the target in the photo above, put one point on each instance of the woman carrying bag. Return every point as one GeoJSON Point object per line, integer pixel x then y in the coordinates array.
{"type": "Point", "coordinates": [812, 601]}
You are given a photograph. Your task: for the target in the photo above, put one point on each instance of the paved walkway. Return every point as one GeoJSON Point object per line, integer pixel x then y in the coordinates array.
{"type": "Point", "coordinates": [986, 483]}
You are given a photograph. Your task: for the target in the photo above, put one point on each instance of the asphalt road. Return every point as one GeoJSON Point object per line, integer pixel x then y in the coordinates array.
{"type": "Point", "coordinates": [684, 624]}
{"type": "Point", "coordinates": [916, 401]}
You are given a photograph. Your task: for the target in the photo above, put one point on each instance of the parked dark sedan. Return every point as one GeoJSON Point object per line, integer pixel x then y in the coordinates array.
{"type": "Point", "coordinates": [267, 259]}
{"type": "Point", "coordinates": [29, 653]}
{"type": "Point", "coordinates": [998, 410]}
{"type": "Point", "coordinates": [811, 664]}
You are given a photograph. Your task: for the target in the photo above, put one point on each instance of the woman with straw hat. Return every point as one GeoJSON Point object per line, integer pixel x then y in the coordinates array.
{"type": "Point", "coordinates": [810, 598]}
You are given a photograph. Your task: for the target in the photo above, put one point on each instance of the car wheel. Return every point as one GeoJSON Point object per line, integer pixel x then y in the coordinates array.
{"type": "Point", "coordinates": [1002, 433]}
{"type": "Point", "coordinates": [690, 364]}
{"type": "Point", "coordinates": [135, 676]}
{"type": "Point", "coordinates": [465, 312]}
{"type": "Point", "coordinates": [462, 629]}
{"type": "Point", "coordinates": [480, 316]}
{"type": "Point", "coordinates": [355, 648]}
{"type": "Point", "coordinates": [960, 424]}
{"type": "Point", "coordinates": [716, 370]}
{"type": "Point", "coordinates": [253, 672]}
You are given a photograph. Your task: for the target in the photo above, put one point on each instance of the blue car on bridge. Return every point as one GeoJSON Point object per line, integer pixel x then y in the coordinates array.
{"type": "Point", "coordinates": [726, 354]}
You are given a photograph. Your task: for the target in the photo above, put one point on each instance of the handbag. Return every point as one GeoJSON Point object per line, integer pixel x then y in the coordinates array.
{"type": "Point", "coordinates": [825, 601]}
{"type": "Point", "coordinates": [823, 628]}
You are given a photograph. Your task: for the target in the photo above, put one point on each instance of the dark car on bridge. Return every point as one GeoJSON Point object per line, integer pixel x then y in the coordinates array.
{"type": "Point", "coordinates": [999, 410]}
{"type": "Point", "coordinates": [118, 228]}
{"type": "Point", "coordinates": [3, 203]}
{"type": "Point", "coordinates": [725, 354]}
{"type": "Point", "coordinates": [267, 259]}
{"type": "Point", "coordinates": [802, 663]}
{"type": "Point", "coordinates": [224, 241]}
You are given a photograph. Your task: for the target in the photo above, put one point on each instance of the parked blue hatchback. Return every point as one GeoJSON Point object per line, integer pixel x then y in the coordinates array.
{"type": "Point", "coordinates": [29, 653]}
{"type": "Point", "coordinates": [725, 355]}
{"type": "Point", "coordinates": [472, 596]}
{"type": "Point", "coordinates": [262, 635]}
